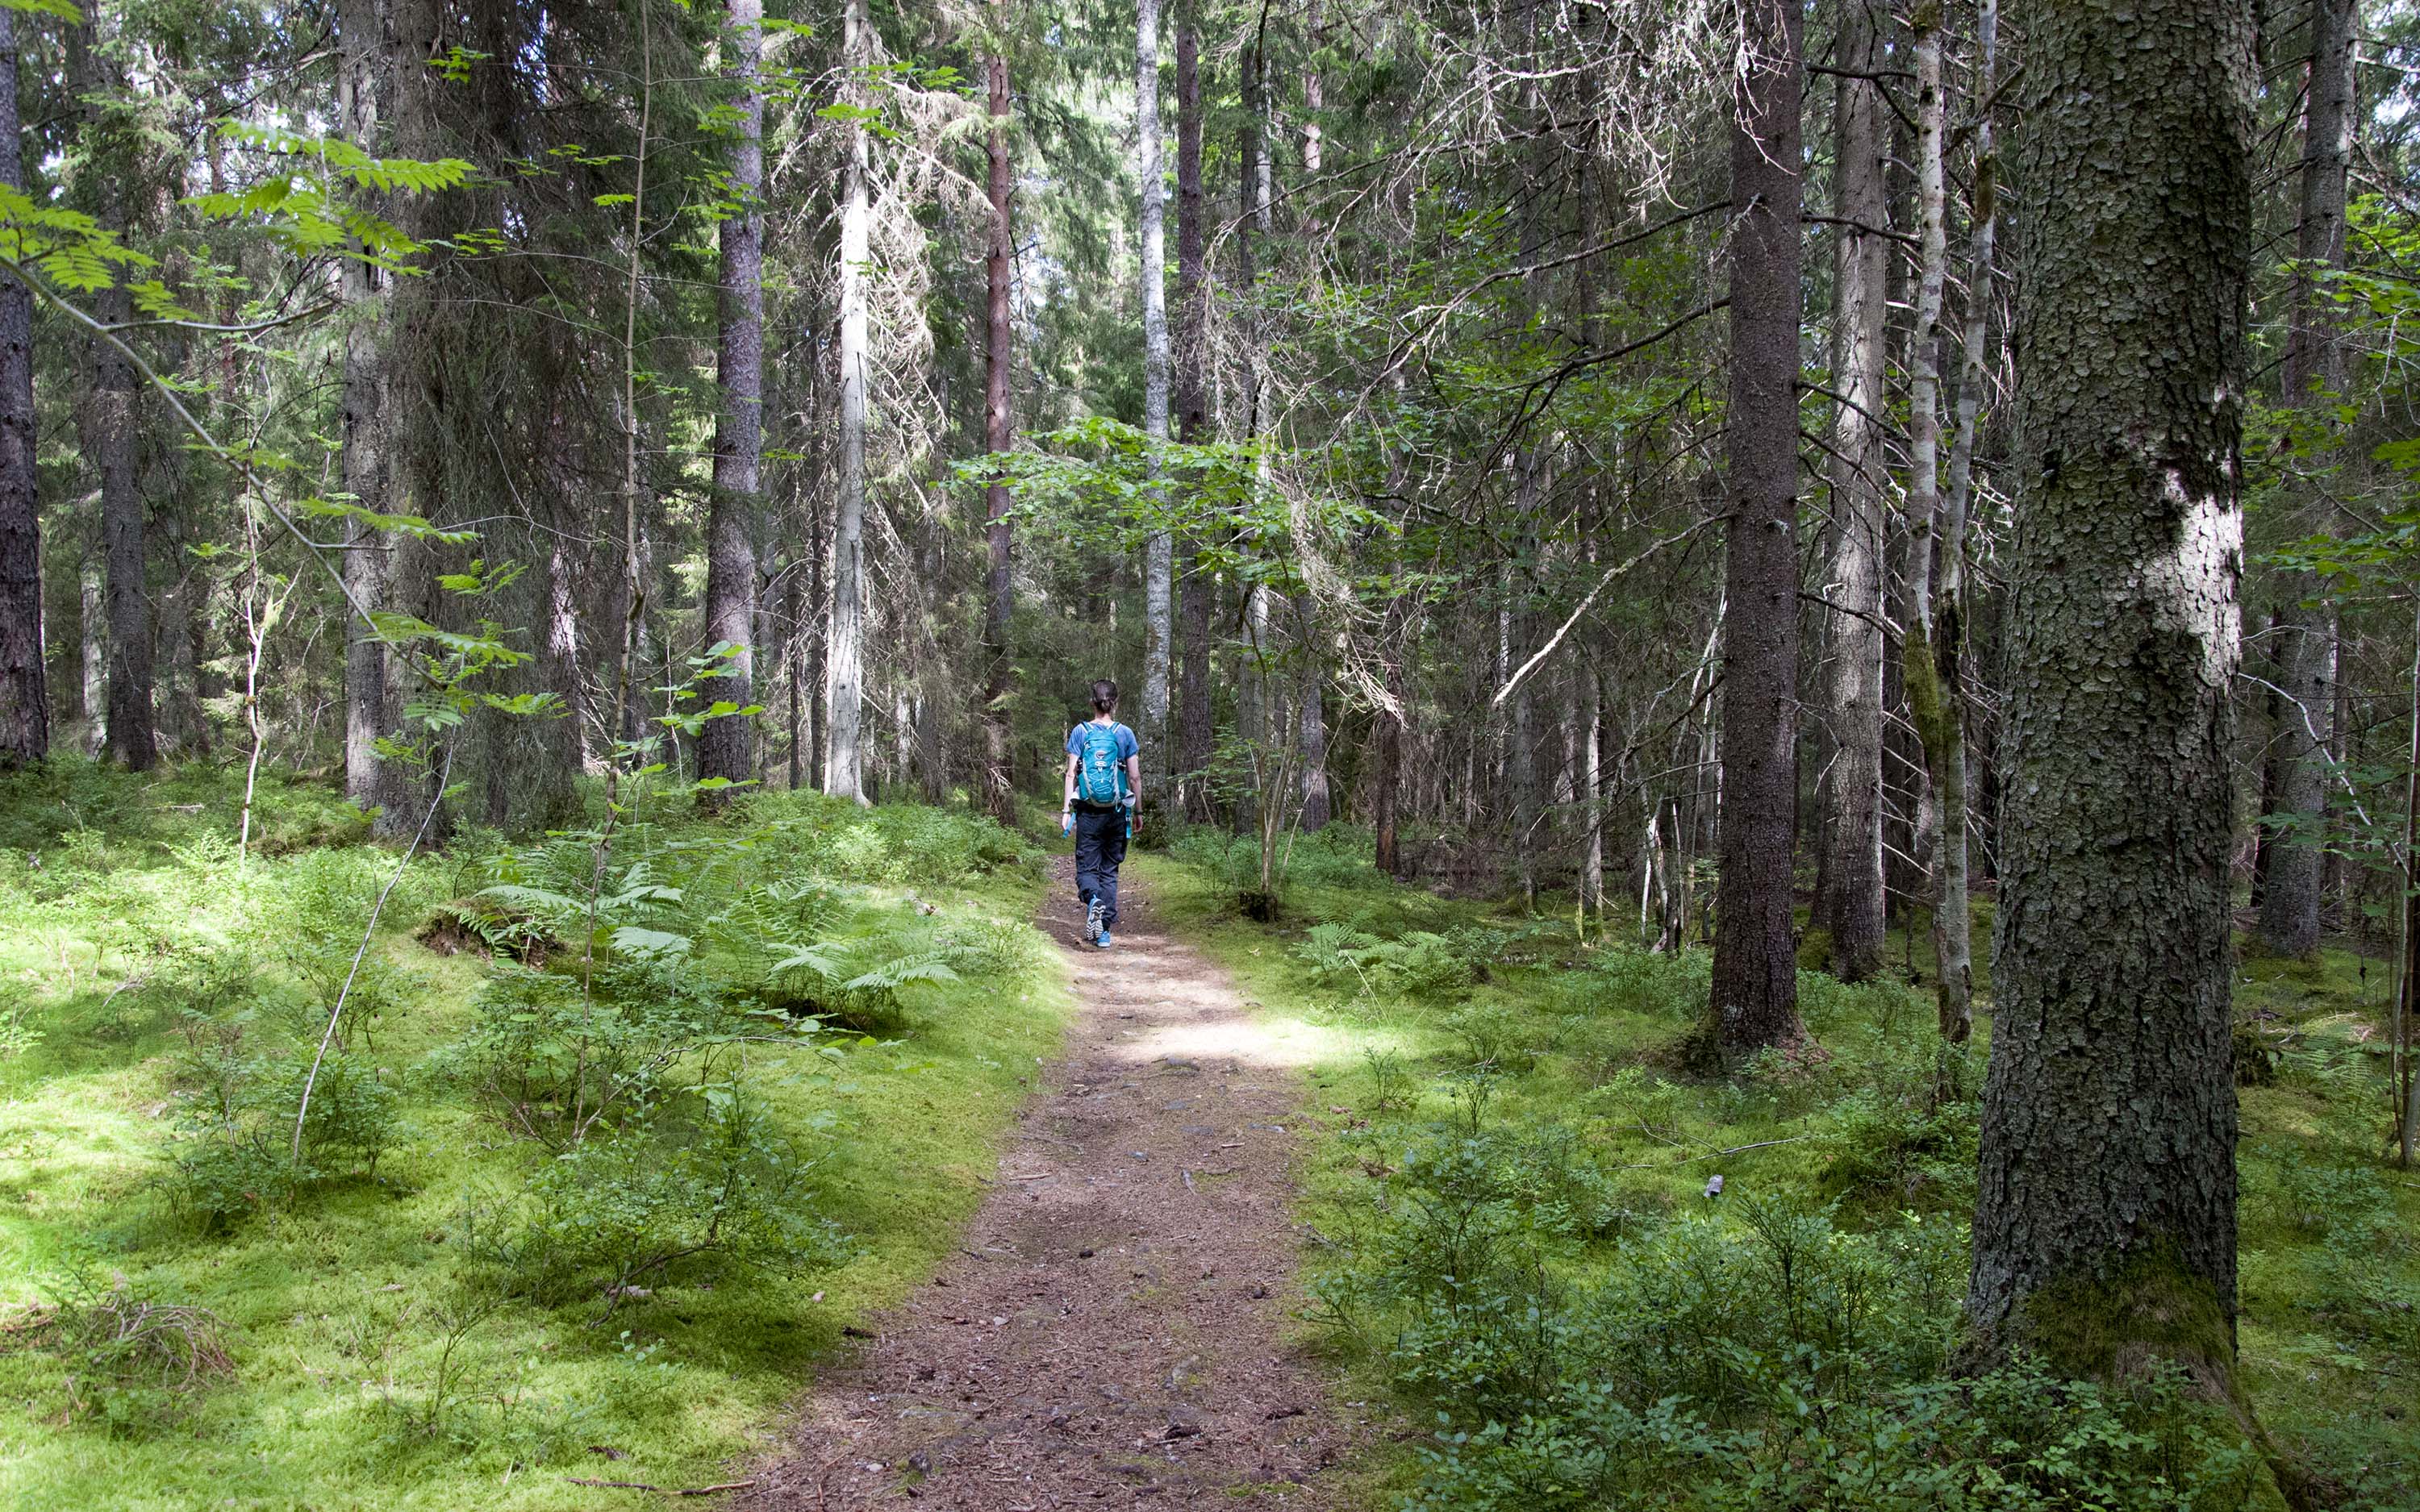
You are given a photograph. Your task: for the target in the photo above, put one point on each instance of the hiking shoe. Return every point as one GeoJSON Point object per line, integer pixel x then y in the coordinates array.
{"type": "Point", "coordinates": [1104, 941]}
{"type": "Point", "coordinates": [1092, 926]}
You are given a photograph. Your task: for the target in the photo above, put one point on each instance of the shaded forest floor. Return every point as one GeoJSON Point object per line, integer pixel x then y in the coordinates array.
{"type": "Point", "coordinates": [1507, 1255]}
{"type": "Point", "coordinates": [1513, 1245]}
{"type": "Point", "coordinates": [395, 1331]}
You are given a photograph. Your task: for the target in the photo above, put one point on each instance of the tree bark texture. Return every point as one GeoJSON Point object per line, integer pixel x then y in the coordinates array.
{"type": "Point", "coordinates": [25, 699]}
{"type": "Point", "coordinates": [1159, 550]}
{"type": "Point", "coordinates": [2306, 630]}
{"type": "Point", "coordinates": [1754, 1001]}
{"type": "Point", "coordinates": [998, 796]}
{"type": "Point", "coordinates": [2105, 1222]}
{"type": "Point", "coordinates": [845, 655]}
{"type": "Point", "coordinates": [1850, 905]}
{"type": "Point", "coordinates": [724, 746]}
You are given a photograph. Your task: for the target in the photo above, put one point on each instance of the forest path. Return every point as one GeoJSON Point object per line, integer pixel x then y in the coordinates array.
{"type": "Point", "coordinates": [1113, 1331]}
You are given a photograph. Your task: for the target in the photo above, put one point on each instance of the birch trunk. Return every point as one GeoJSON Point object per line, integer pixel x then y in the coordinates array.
{"type": "Point", "coordinates": [1930, 699]}
{"type": "Point", "coordinates": [1850, 905]}
{"type": "Point", "coordinates": [845, 649]}
{"type": "Point", "coordinates": [1953, 935]}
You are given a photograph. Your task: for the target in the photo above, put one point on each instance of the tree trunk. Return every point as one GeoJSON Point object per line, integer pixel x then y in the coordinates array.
{"type": "Point", "coordinates": [107, 436]}
{"type": "Point", "coordinates": [2104, 1225]}
{"type": "Point", "coordinates": [999, 794]}
{"type": "Point", "coordinates": [1952, 931]}
{"type": "Point", "coordinates": [844, 651]}
{"type": "Point", "coordinates": [361, 43]}
{"type": "Point", "coordinates": [1929, 701]}
{"type": "Point", "coordinates": [1849, 905]}
{"type": "Point", "coordinates": [1754, 1001]}
{"type": "Point", "coordinates": [1195, 737]}
{"type": "Point", "coordinates": [25, 700]}
{"type": "Point", "coordinates": [1159, 550]}
{"type": "Point", "coordinates": [93, 643]}
{"type": "Point", "coordinates": [724, 746]}
{"type": "Point", "coordinates": [2306, 650]}
{"type": "Point", "coordinates": [1318, 805]}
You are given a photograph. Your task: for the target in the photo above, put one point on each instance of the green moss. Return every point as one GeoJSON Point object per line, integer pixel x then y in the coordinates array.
{"type": "Point", "coordinates": [336, 1311]}
{"type": "Point", "coordinates": [2109, 1326]}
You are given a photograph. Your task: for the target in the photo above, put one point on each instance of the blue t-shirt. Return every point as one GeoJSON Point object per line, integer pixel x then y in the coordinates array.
{"type": "Point", "coordinates": [1128, 747]}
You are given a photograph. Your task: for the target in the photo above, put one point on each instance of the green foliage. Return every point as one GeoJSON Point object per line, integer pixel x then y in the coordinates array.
{"type": "Point", "coordinates": [236, 1102]}
{"type": "Point", "coordinates": [725, 1188]}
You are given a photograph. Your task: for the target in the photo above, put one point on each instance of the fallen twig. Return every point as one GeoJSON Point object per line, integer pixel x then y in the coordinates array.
{"type": "Point", "coordinates": [1716, 1154]}
{"type": "Point", "coordinates": [665, 1490]}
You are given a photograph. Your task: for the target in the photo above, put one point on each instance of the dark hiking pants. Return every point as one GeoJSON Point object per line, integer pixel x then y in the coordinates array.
{"type": "Point", "coordinates": [1100, 846]}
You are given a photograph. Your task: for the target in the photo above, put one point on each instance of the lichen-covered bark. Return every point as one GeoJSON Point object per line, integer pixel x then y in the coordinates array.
{"type": "Point", "coordinates": [1755, 994]}
{"type": "Point", "coordinates": [724, 746]}
{"type": "Point", "coordinates": [2108, 1137]}
{"type": "Point", "coordinates": [1849, 907]}
{"type": "Point", "coordinates": [25, 700]}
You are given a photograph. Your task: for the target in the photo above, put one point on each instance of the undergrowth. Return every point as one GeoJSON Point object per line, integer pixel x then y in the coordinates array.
{"type": "Point", "coordinates": [1518, 1238]}
{"type": "Point", "coordinates": [619, 1127]}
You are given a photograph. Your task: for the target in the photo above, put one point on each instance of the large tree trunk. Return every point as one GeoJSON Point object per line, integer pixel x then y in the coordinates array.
{"type": "Point", "coordinates": [2104, 1225]}
{"type": "Point", "coordinates": [2306, 636]}
{"type": "Point", "coordinates": [1754, 1001]}
{"type": "Point", "coordinates": [1195, 738]}
{"type": "Point", "coordinates": [999, 794]}
{"type": "Point", "coordinates": [844, 652]}
{"type": "Point", "coordinates": [1160, 550]}
{"type": "Point", "coordinates": [725, 745]}
{"type": "Point", "coordinates": [1850, 904]}
{"type": "Point", "coordinates": [24, 700]}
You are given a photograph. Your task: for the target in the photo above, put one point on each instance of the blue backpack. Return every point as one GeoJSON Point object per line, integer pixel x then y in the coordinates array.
{"type": "Point", "coordinates": [1100, 771]}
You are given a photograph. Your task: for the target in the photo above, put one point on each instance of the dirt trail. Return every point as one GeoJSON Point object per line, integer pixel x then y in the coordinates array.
{"type": "Point", "coordinates": [1112, 1334]}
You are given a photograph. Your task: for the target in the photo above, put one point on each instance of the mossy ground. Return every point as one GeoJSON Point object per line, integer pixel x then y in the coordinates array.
{"type": "Point", "coordinates": [338, 1312]}
{"type": "Point", "coordinates": [2330, 1323]}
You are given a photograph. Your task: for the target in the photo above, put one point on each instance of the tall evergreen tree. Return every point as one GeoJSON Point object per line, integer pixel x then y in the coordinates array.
{"type": "Point", "coordinates": [2105, 1223]}
{"type": "Point", "coordinates": [1755, 991]}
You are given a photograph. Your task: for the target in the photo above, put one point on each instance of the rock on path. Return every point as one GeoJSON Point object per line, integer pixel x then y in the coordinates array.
{"type": "Point", "coordinates": [1113, 1333]}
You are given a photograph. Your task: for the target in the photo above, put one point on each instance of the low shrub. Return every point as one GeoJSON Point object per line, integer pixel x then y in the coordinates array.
{"type": "Point", "coordinates": [657, 1199]}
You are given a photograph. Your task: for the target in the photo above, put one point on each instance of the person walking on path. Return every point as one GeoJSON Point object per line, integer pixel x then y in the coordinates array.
{"type": "Point", "coordinates": [1103, 780]}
